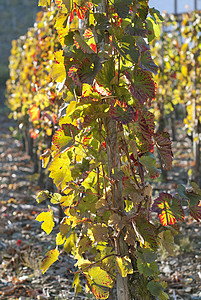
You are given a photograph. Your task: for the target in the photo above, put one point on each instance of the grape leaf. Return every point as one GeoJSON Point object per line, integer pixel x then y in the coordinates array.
{"type": "Point", "coordinates": [155, 288]}
{"type": "Point", "coordinates": [147, 63]}
{"type": "Point", "coordinates": [122, 112]}
{"type": "Point", "coordinates": [45, 3]}
{"type": "Point", "coordinates": [60, 171]}
{"type": "Point", "coordinates": [106, 74]}
{"type": "Point", "coordinates": [47, 219]}
{"type": "Point", "coordinates": [60, 140]}
{"type": "Point", "coordinates": [76, 284]}
{"type": "Point", "coordinates": [58, 70]}
{"type": "Point", "coordinates": [147, 231]}
{"type": "Point", "coordinates": [122, 7]}
{"type": "Point", "coordinates": [42, 195]}
{"type": "Point", "coordinates": [148, 160]}
{"type": "Point", "coordinates": [164, 146]}
{"type": "Point", "coordinates": [169, 209]}
{"type": "Point", "coordinates": [83, 45]}
{"type": "Point", "coordinates": [124, 265]}
{"type": "Point", "coordinates": [50, 257]}
{"type": "Point", "coordinates": [34, 113]}
{"type": "Point", "coordinates": [167, 241]}
{"type": "Point", "coordinates": [190, 195]}
{"type": "Point", "coordinates": [88, 69]}
{"type": "Point", "coordinates": [143, 86]}
{"type": "Point", "coordinates": [195, 212]}
{"type": "Point", "coordinates": [99, 281]}
{"type": "Point", "coordinates": [70, 130]}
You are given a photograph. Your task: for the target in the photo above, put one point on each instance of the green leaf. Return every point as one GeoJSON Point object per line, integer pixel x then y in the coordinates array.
{"type": "Point", "coordinates": [128, 50]}
{"type": "Point", "coordinates": [147, 63]}
{"type": "Point", "coordinates": [167, 241]}
{"type": "Point", "coordinates": [147, 269]}
{"type": "Point", "coordinates": [148, 160]}
{"type": "Point", "coordinates": [147, 231]}
{"type": "Point", "coordinates": [106, 74]}
{"type": "Point", "coordinates": [188, 195]}
{"type": "Point", "coordinates": [155, 288]}
{"type": "Point", "coordinates": [154, 28]}
{"type": "Point", "coordinates": [124, 265]}
{"type": "Point", "coordinates": [83, 45]}
{"type": "Point", "coordinates": [47, 219]}
{"type": "Point", "coordinates": [50, 257]}
{"type": "Point", "coordinates": [122, 7]}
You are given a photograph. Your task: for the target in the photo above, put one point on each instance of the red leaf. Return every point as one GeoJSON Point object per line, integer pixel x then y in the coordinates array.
{"type": "Point", "coordinates": [122, 112]}
{"type": "Point", "coordinates": [34, 113]}
{"type": "Point", "coordinates": [169, 209]}
{"type": "Point", "coordinates": [81, 13]}
{"type": "Point", "coordinates": [195, 212]}
{"type": "Point", "coordinates": [142, 86]}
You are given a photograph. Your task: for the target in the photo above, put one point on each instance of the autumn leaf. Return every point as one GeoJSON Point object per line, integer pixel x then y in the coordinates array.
{"type": "Point", "coordinates": [61, 141]}
{"type": "Point", "coordinates": [99, 281]}
{"type": "Point", "coordinates": [122, 112]}
{"type": "Point", "coordinates": [60, 171]}
{"type": "Point", "coordinates": [169, 209]}
{"type": "Point", "coordinates": [124, 265]}
{"type": "Point", "coordinates": [47, 219]}
{"type": "Point", "coordinates": [142, 85]}
{"type": "Point", "coordinates": [147, 231]}
{"type": "Point", "coordinates": [45, 3]}
{"type": "Point", "coordinates": [164, 145]}
{"type": "Point", "coordinates": [195, 212]}
{"type": "Point", "coordinates": [50, 257]}
{"type": "Point", "coordinates": [58, 70]}
{"type": "Point", "coordinates": [34, 113]}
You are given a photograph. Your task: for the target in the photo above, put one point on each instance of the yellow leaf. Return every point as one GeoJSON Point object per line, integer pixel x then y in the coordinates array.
{"type": "Point", "coordinates": [184, 70]}
{"type": "Point", "coordinates": [45, 3]}
{"type": "Point", "coordinates": [86, 90]}
{"type": "Point", "coordinates": [100, 282]}
{"type": "Point", "coordinates": [70, 109]}
{"type": "Point", "coordinates": [70, 242]}
{"type": "Point", "coordinates": [47, 219]}
{"type": "Point", "coordinates": [124, 266]}
{"type": "Point", "coordinates": [49, 131]}
{"type": "Point", "coordinates": [60, 239]}
{"type": "Point", "coordinates": [60, 170]}
{"type": "Point", "coordinates": [58, 70]}
{"type": "Point", "coordinates": [50, 258]}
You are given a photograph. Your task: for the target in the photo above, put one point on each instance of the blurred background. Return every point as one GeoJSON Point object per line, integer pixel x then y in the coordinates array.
{"type": "Point", "coordinates": [15, 17]}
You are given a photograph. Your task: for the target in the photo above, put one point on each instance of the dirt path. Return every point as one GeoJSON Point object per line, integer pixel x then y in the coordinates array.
{"type": "Point", "coordinates": [23, 243]}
